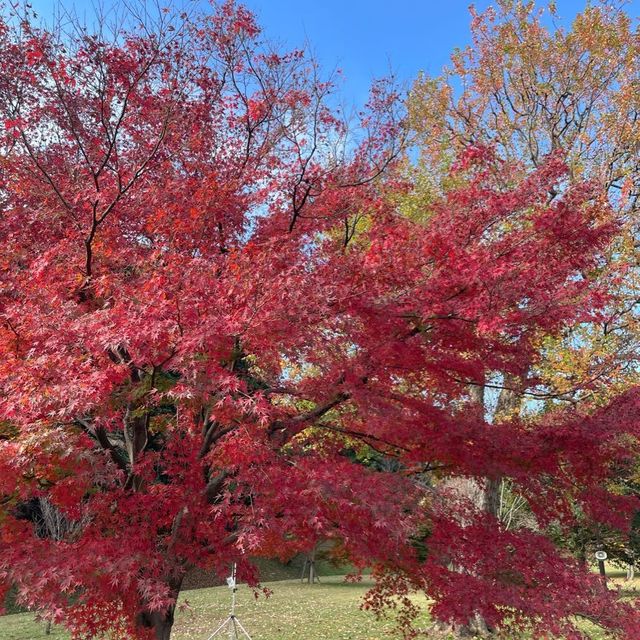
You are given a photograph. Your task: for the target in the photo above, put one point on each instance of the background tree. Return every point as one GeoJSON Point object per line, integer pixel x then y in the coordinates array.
{"type": "Point", "coordinates": [529, 87]}
{"type": "Point", "coordinates": [528, 90]}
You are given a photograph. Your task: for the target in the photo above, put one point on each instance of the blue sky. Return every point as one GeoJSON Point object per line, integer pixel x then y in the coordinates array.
{"type": "Point", "coordinates": [367, 38]}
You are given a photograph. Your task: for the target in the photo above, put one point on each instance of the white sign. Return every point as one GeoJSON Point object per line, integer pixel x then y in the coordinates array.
{"type": "Point", "coordinates": [601, 555]}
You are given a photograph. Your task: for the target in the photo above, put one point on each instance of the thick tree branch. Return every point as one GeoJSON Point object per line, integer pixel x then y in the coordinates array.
{"type": "Point", "coordinates": [281, 431]}
{"type": "Point", "coordinates": [101, 436]}
{"type": "Point", "coordinates": [214, 487]}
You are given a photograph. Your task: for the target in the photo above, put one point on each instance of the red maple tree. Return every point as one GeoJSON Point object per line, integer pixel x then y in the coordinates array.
{"type": "Point", "coordinates": [209, 301]}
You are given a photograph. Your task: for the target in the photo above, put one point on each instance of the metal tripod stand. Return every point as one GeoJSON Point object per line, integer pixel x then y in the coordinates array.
{"type": "Point", "coordinates": [231, 625]}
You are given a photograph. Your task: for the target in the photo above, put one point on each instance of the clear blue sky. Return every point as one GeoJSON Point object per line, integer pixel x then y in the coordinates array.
{"type": "Point", "coordinates": [367, 38]}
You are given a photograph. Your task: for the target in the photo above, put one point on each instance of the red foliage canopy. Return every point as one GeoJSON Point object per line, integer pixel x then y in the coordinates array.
{"type": "Point", "coordinates": [197, 336]}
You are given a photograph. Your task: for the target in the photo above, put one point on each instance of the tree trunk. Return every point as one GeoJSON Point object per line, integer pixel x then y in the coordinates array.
{"type": "Point", "coordinates": [491, 496]}
{"type": "Point", "coordinates": [485, 493]}
{"type": "Point", "coordinates": [476, 628]}
{"type": "Point", "coordinates": [162, 626]}
{"type": "Point", "coordinates": [162, 621]}
{"type": "Point", "coordinates": [631, 572]}
{"type": "Point", "coordinates": [310, 564]}
{"type": "Point", "coordinates": [509, 400]}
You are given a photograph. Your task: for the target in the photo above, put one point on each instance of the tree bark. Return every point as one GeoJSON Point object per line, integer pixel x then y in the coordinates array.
{"type": "Point", "coordinates": [508, 405]}
{"type": "Point", "coordinates": [162, 625]}
{"type": "Point", "coordinates": [485, 493]}
{"type": "Point", "coordinates": [631, 572]}
{"type": "Point", "coordinates": [162, 621]}
{"type": "Point", "coordinates": [310, 564]}
{"type": "Point", "coordinates": [491, 496]}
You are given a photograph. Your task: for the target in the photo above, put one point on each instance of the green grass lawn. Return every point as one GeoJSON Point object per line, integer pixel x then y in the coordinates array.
{"type": "Point", "coordinates": [294, 611]}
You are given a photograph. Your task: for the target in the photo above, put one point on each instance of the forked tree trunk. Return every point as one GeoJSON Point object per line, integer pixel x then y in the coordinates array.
{"type": "Point", "coordinates": [309, 568]}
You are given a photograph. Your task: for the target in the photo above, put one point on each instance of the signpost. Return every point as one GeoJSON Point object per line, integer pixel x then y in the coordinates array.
{"type": "Point", "coordinates": [601, 556]}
